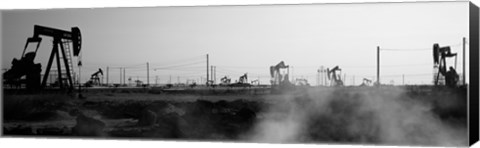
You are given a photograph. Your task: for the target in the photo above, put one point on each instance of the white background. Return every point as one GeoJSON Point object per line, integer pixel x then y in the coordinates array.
{"type": "Point", "coordinates": [71, 143]}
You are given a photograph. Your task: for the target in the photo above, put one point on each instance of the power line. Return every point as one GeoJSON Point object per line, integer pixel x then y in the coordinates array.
{"type": "Point", "coordinates": [181, 65]}
{"type": "Point", "coordinates": [419, 49]}
{"type": "Point", "coordinates": [229, 70]}
{"type": "Point", "coordinates": [250, 67]}
{"type": "Point", "coordinates": [416, 49]}
{"type": "Point", "coordinates": [388, 66]}
{"type": "Point", "coordinates": [165, 70]}
{"type": "Point", "coordinates": [136, 65]}
{"type": "Point", "coordinates": [399, 75]}
{"type": "Point", "coordinates": [184, 68]}
{"type": "Point", "coordinates": [183, 74]}
{"type": "Point", "coordinates": [179, 61]}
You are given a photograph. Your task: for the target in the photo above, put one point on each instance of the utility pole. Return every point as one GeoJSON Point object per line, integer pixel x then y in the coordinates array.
{"type": "Point", "coordinates": [124, 75]}
{"type": "Point", "coordinates": [322, 74]}
{"type": "Point", "coordinates": [215, 75]}
{"type": "Point", "coordinates": [378, 65]}
{"type": "Point", "coordinates": [120, 76]}
{"type": "Point", "coordinates": [318, 77]}
{"type": "Point", "coordinates": [403, 79]}
{"type": "Point", "coordinates": [207, 71]}
{"type": "Point", "coordinates": [107, 75]}
{"type": "Point", "coordinates": [79, 79]}
{"type": "Point", "coordinates": [148, 75]}
{"type": "Point", "coordinates": [463, 75]}
{"type": "Point", "coordinates": [211, 73]}
{"type": "Point", "coordinates": [156, 80]}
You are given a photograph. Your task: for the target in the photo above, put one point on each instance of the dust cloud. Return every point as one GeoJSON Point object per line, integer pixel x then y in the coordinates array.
{"type": "Point", "coordinates": [386, 116]}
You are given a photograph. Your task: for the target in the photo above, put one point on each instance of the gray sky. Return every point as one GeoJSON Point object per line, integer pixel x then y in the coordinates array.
{"type": "Point", "coordinates": [249, 39]}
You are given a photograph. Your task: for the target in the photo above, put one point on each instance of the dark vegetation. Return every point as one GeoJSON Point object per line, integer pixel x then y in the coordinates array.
{"type": "Point", "coordinates": [346, 115]}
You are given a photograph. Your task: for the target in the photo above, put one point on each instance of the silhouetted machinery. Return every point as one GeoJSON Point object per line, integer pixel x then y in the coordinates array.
{"type": "Point", "coordinates": [24, 67]}
{"type": "Point", "coordinates": [243, 79]}
{"type": "Point", "coordinates": [138, 83]}
{"type": "Point", "coordinates": [366, 82]}
{"type": "Point", "coordinates": [301, 82]}
{"type": "Point", "coordinates": [225, 81]}
{"type": "Point", "coordinates": [277, 77]}
{"type": "Point", "coordinates": [94, 78]}
{"type": "Point", "coordinates": [440, 54]}
{"type": "Point", "coordinates": [255, 82]}
{"type": "Point", "coordinates": [335, 79]}
{"type": "Point", "coordinates": [32, 72]}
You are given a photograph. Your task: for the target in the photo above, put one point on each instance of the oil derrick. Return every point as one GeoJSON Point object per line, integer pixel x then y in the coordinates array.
{"type": "Point", "coordinates": [277, 78]}
{"type": "Point", "coordinates": [440, 55]}
{"type": "Point", "coordinates": [26, 67]}
{"type": "Point", "coordinates": [335, 79]}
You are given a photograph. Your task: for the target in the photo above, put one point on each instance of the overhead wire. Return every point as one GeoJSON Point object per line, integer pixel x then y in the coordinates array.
{"type": "Point", "coordinates": [183, 65]}
{"type": "Point", "coordinates": [179, 61]}
{"type": "Point", "coordinates": [417, 49]}
{"type": "Point", "coordinates": [180, 65]}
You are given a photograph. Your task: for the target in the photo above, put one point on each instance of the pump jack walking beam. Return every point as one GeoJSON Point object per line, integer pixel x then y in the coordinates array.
{"type": "Point", "coordinates": [58, 36]}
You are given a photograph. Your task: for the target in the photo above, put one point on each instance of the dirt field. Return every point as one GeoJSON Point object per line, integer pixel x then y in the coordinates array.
{"type": "Point", "coordinates": [388, 115]}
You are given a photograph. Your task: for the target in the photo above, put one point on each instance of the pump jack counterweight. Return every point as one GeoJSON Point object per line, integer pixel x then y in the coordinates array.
{"type": "Point", "coordinates": [25, 66]}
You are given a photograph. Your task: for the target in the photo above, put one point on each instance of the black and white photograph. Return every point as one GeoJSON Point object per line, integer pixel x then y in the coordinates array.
{"type": "Point", "coordinates": [354, 73]}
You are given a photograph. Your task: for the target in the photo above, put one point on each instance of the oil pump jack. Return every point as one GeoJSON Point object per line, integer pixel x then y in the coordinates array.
{"type": "Point", "coordinates": [440, 54]}
{"type": "Point", "coordinates": [302, 82]}
{"type": "Point", "coordinates": [366, 82]}
{"type": "Point", "coordinates": [225, 81]}
{"type": "Point", "coordinates": [94, 78]}
{"type": "Point", "coordinates": [25, 66]}
{"type": "Point", "coordinates": [333, 77]}
{"type": "Point", "coordinates": [255, 82]}
{"type": "Point", "coordinates": [243, 79]}
{"type": "Point", "coordinates": [277, 77]}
